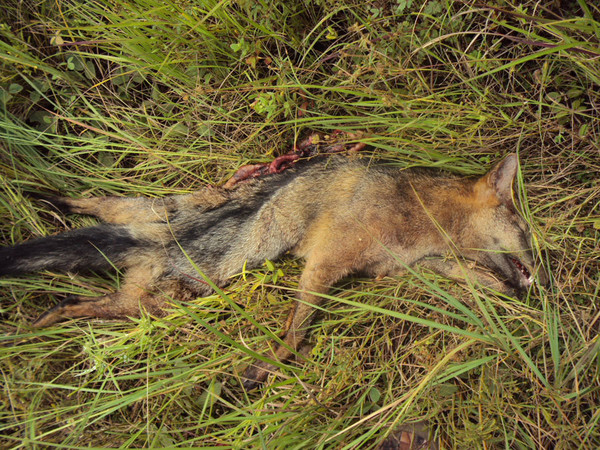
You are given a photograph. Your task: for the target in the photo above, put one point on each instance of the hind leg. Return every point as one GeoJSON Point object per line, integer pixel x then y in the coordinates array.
{"type": "Point", "coordinates": [119, 210]}
{"type": "Point", "coordinates": [128, 210]}
{"type": "Point", "coordinates": [143, 289]}
{"type": "Point", "coordinates": [119, 305]}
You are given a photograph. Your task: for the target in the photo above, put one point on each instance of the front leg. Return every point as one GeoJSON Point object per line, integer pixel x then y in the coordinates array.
{"type": "Point", "coordinates": [316, 279]}
{"type": "Point", "coordinates": [463, 270]}
{"type": "Point", "coordinates": [332, 250]}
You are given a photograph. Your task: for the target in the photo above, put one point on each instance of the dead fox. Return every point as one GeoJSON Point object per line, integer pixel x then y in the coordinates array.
{"type": "Point", "coordinates": [341, 215]}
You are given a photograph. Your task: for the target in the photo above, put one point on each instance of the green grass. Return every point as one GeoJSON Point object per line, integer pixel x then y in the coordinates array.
{"type": "Point", "coordinates": [153, 98]}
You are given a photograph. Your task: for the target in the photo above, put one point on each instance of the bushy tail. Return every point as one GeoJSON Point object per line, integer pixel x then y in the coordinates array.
{"type": "Point", "coordinates": [92, 248]}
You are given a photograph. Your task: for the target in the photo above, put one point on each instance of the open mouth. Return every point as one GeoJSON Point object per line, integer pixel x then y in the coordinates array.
{"type": "Point", "coordinates": [528, 279]}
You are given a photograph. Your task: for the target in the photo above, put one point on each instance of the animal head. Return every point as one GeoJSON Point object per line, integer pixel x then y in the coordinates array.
{"type": "Point", "coordinates": [497, 236]}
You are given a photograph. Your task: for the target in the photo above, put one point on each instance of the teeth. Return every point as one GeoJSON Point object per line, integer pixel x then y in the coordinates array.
{"type": "Point", "coordinates": [522, 269]}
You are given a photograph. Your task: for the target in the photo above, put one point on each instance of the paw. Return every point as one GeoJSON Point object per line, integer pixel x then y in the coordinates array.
{"type": "Point", "coordinates": [58, 312]}
{"type": "Point", "coordinates": [255, 375]}
{"type": "Point", "coordinates": [60, 204]}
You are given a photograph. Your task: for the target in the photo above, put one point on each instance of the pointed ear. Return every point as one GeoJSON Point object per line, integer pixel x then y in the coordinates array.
{"type": "Point", "coordinates": [498, 182]}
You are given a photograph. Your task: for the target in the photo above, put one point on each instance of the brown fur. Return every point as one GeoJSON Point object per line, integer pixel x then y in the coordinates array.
{"type": "Point", "coordinates": [341, 216]}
